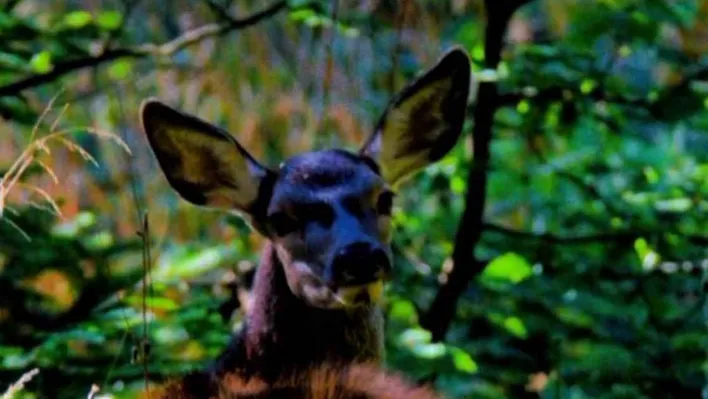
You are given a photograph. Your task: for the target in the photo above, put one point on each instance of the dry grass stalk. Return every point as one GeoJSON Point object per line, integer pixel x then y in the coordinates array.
{"type": "Point", "coordinates": [20, 384]}
{"type": "Point", "coordinates": [38, 146]}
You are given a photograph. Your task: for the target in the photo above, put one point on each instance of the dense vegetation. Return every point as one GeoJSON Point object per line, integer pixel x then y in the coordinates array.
{"type": "Point", "coordinates": [560, 251]}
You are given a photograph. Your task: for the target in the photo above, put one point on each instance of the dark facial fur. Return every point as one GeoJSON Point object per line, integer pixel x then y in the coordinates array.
{"type": "Point", "coordinates": [323, 204]}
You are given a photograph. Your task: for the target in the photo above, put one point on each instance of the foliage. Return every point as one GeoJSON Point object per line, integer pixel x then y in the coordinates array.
{"type": "Point", "coordinates": [593, 244]}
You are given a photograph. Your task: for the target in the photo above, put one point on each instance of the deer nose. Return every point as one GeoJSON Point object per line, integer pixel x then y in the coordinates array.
{"type": "Point", "coordinates": [359, 263]}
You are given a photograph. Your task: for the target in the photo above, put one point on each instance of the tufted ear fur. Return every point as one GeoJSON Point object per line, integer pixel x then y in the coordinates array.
{"type": "Point", "coordinates": [202, 162]}
{"type": "Point", "coordinates": [424, 121]}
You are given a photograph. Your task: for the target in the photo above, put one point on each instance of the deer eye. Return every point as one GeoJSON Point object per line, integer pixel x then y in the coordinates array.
{"type": "Point", "coordinates": [317, 212]}
{"type": "Point", "coordinates": [384, 203]}
{"type": "Point", "coordinates": [282, 223]}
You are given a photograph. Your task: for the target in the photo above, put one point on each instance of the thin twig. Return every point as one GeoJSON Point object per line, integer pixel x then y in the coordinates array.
{"type": "Point", "coordinates": [400, 24]}
{"type": "Point", "coordinates": [329, 63]}
{"type": "Point", "coordinates": [148, 49]}
{"type": "Point", "coordinates": [93, 391]}
{"type": "Point", "coordinates": [20, 384]}
{"type": "Point", "coordinates": [144, 343]}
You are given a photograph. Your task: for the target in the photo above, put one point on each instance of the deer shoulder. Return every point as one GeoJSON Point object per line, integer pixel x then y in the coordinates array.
{"type": "Point", "coordinates": [360, 381]}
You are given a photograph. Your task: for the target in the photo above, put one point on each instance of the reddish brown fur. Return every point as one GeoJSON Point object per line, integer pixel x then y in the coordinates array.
{"type": "Point", "coordinates": [360, 381]}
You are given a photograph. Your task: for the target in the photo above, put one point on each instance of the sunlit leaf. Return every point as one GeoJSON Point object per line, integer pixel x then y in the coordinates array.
{"type": "Point", "coordinates": [171, 334]}
{"type": "Point", "coordinates": [674, 205]}
{"type": "Point", "coordinates": [122, 318]}
{"type": "Point", "coordinates": [120, 69]}
{"type": "Point", "coordinates": [72, 227]}
{"type": "Point", "coordinates": [78, 19]}
{"type": "Point", "coordinates": [12, 358]}
{"type": "Point", "coordinates": [510, 267]}
{"type": "Point", "coordinates": [42, 62]}
{"type": "Point", "coordinates": [463, 361]}
{"type": "Point", "coordinates": [429, 351]}
{"type": "Point", "coordinates": [457, 185]}
{"type": "Point", "coordinates": [414, 336]}
{"type": "Point", "coordinates": [109, 20]}
{"type": "Point", "coordinates": [99, 241]}
{"type": "Point", "coordinates": [151, 302]}
{"type": "Point", "coordinates": [301, 15]}
{"type": "Point", "coordinates": [188, 263]}
{"type": "Point", "coordinates": [515, 326]}
{"type": "Point", "coordinates": [403, 310]}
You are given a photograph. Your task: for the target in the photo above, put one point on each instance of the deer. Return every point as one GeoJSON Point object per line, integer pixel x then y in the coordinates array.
{"type": "Point", "coordinates": [326, 218]}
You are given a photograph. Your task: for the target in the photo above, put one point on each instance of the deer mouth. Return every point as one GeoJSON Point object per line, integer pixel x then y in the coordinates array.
{"type": "Point", "coordinates": [360, 294]}
{"type": "Point", "coordinates": [307, 285]}
{"type": "Point", "coordinates": [324, 296]}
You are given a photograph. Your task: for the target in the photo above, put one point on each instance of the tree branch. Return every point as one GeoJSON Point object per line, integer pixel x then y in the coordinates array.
{"type": "Point", "coordinates": [654, 108]}
{"type": "Point", "coordinates": [149, 49]}
{"type": "Point", "coordinates": [442, 310]}
{"type": "Point", "coordinates": [619, 237]}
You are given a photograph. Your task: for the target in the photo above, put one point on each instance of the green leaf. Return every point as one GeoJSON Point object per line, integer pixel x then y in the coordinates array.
{"type": "Point", "coordinates": [348, 31]}
{"type": "Point", "coordinates": [120, 69]}
{"type": "Point", "coordinates": [42, 62]}
{"type": "Point", "coordinates": [78, 19]}
{"type": "Point", "coordinates": [457, 185]}
{"type": "Point", "coordinates": [403, 310]}
{"type": "Point", "coordinates": [109, 20]}
{"type": "Point", "coordinates": [87, 334]}
{"type": "Point", "coordinates": [463, 361]}
{"type": "Point", "coordinates": [587, 86]}
{"type": "Point", "coordinates": [292, 4]}
{"type": "Point", "coordinates": [684, 12]}
{"type": "Point", "coordinates": [414, 336]}
{"type": "Point", "coordinates": [301, 15]}
{"type": "Point", "coordinates": [641, 246]}
{"type": "Point", "coordinates": [171, 334]}
{"type": "Point", "coordinates": [152, 302]}
{"type": "Point", "coordinates": [429, 351]}
{"type": "Point", "coordinates": [510, 267]}
{"type": "Point", "coordinates": [185, 263]}
{"type": "Point", "coordinates": [72, 228]}
{"type": "Point", "coordinates": [515, 326]}
{"type": "Point", "coordinates": [674, 205]}
{"type": "Point", "coordinates": [122, 317]}
{"type": "Point", "coordinates": [15, 358]}
{"type": "Point", "coordinates": [651, 175]}
{"type": "Point", "coordinates": [98, 241]}
{"type": "Point", "coordinates": [12, 60]}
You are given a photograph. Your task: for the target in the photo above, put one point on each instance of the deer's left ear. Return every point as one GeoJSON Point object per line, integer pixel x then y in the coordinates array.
{"type": "Point", "coordinates": [204, 164]}
{"type": "Point", "coordinates": [424, 121]}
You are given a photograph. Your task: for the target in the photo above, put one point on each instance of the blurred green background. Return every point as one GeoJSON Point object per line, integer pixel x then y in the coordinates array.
{"type": "Point", "coordinates": [594, 239]}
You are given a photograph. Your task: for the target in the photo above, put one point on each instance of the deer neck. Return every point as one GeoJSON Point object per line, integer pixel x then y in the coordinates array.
{"type": "Point", "coordinates": [282, 332]}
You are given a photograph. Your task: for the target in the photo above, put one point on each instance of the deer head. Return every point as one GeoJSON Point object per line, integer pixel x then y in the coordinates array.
{"type": "Point", "coordinates": [326, 212]}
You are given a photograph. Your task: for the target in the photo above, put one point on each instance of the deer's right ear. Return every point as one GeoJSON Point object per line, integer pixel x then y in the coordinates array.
{"type": "Point", "coordinates": [202, 162]}
{"type": "Point", "coordinates": [424, 121]}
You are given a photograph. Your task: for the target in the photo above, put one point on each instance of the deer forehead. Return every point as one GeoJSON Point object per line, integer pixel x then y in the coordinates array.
{"type": "Point", "coordinates": [328, 175]}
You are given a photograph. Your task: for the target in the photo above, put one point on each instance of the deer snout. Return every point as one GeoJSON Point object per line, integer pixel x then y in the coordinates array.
{"type": "Point", "coordinates": [359, 263]}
